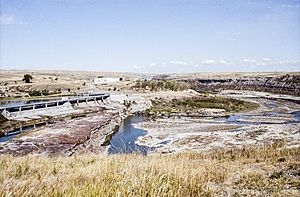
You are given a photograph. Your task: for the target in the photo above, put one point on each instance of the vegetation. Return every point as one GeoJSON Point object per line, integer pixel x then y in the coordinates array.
{"type": "Point", "coordinates": [35, 93]}
{"type": "Point", "coordinates": [158, 85]}
{"type": "Point", "coordinates": [27, 78]}
{"type": "Point", "coordinates": [271, 170]}
{"type": "Point", "coordinates": [44, 92]}
{"type": "Point", "coordinates": [194, 103]}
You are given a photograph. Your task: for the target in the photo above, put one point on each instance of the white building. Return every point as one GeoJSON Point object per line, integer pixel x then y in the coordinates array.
{"type": "Point", "coordinates": [106, 80]}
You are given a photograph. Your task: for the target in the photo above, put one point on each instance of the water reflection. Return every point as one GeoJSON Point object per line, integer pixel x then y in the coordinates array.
{"type": "Point", "coordinates": [124, 140]}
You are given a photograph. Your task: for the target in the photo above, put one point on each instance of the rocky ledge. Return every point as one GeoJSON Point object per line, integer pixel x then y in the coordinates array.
{"type": "Point", "coordinates": [65, 137]}
{"type": "Point", "coordinates": [285, 84]}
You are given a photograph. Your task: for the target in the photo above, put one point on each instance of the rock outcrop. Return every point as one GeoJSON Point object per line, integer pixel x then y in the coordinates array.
{"type": "Point", "coordinates": [285, 84]}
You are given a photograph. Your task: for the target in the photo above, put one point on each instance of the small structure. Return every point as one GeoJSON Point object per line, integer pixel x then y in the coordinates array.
{"type": "Point", "coordinates": [106, 80]}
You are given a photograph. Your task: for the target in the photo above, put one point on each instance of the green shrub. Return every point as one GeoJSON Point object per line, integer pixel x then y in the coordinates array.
{"type": "Point", "coordinates": [45, 92]}
{"type": "Point", "coordinates": [158, 85]}
{"type": "Point", "coordinates": [35, 93]}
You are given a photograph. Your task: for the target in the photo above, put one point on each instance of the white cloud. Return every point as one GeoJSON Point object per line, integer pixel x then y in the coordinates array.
{"type": "Point", "coordinates": [265, 62]}
{"type": "Point", "coordinates": [213, 62]}
{"type": "Point", "coordinates": [152, 64]}
{"type": "Point", "coordinates": [266, 59]}
{"type": "Point", "coordinates": [208, 62]}
{"type": "Point", "coordinates": [222, 62]}
{"type": "Point", "coordinates": [291, 6]}
{"type": "Point", "coordinates": [219, 65]}
{"type": "Point", "coordinates": [181, 63]}
{"type": "Point", "coordinates": [7, 19]}
{"type": "Point", "coordinates": [137, 67]}
{"type": "Point", "coordinates": [249, 60]}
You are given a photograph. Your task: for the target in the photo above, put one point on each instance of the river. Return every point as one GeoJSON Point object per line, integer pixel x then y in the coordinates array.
{"type": "Point", "coordinates": [124, 140]}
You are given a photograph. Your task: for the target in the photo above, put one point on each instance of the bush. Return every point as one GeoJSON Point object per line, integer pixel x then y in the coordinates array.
{"type": "Point", "coordinates": [45, 92]}
{"type": "Point", "coordinates": [35, 93]}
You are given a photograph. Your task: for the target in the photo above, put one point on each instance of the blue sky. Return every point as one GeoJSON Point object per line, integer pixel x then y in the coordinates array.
{"type": "Point", "coordinates": [156, 36]}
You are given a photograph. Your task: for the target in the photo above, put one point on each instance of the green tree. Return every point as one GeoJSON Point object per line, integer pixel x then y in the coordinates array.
{"type": "Point", "coordinates": [27, 78]}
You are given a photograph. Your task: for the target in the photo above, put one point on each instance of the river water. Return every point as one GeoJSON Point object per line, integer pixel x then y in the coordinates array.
{"type": "Point", "coordinates": [124, 140]}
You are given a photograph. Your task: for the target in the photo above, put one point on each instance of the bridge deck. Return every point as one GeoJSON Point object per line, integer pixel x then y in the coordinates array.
{"type": "Point", "coordinates": [39, 105]}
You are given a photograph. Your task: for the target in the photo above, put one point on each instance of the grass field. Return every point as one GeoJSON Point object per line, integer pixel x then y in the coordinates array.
{"type": "Point", "coordinates": [270, 170]}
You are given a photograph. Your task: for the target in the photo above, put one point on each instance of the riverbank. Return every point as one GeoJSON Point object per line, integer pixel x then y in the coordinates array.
{"type": "Point", "coordinates": [270, 170]}
{"type": "Point", "coordinates": [88, 129]}
{"type": "Point", "coordinates": [276, 118]}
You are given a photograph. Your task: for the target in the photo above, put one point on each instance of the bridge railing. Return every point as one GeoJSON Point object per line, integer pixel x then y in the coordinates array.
{"type": "Point", "coordinates": [54, 103]}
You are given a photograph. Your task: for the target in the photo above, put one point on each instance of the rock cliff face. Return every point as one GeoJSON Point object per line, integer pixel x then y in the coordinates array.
{"type": "Point", "coordinates": [286, 84]}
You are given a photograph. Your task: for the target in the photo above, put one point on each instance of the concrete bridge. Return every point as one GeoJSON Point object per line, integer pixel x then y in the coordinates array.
{"type": "Point", "coordinates": [36, 109]}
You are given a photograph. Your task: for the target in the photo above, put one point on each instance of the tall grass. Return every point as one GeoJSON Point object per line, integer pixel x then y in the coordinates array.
{"type": "Point", "coordinates": [256, 171]}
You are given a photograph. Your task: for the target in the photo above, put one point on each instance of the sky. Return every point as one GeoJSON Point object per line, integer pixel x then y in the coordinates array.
{"type": "Point", "coordinates": [151, 36]}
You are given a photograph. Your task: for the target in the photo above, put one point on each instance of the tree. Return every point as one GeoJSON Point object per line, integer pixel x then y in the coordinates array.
{"type": "Point", "coordinates": [138, 84]}
{"type": "Point", "coordinates": [27, 78]}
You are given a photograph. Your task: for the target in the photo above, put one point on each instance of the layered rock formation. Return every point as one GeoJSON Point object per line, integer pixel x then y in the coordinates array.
{"type": "Point", "coordinates": [285, 84]}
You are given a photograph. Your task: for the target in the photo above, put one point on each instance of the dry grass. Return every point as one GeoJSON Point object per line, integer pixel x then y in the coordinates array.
{"type": "Point", "coordinates": [270, 170]}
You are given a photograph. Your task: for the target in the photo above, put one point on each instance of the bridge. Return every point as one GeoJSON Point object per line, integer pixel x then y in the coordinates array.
{"type": "Point", "coordinates": [9, 112]}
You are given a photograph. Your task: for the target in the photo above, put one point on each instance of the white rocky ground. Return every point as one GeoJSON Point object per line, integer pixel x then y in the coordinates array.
{"type": "Point", "coordinates": [272, 121]}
